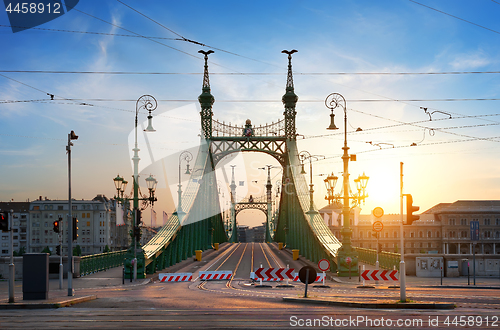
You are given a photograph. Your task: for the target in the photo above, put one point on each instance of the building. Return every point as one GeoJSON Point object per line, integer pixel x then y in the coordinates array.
{"type": "Point", "coordinates": [96, 225]}
{"type": "Point", "coordinates": [20, 228]}
{"type": "Point", "coordinates": [443, 229]}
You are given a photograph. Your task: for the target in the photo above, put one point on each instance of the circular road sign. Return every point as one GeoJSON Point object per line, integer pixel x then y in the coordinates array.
{"type": "Point", "coordinates": [378, 212]}
{"type": "Point", "coordinates": [378, 226]}
{"type": "Point", "coordinates": [348, 260]}
{"type": "Point", "coordinates": [324, 265]}
{"type": "Point", "coordinates": [303, 275]}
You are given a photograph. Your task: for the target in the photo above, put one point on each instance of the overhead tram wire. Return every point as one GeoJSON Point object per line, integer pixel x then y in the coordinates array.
{"type": "Point", "coordinates": [182, 38]}
{"type": "Point", "coordinates": [248, 73]}
{"type": "Point", "coordinates": [464, 20]}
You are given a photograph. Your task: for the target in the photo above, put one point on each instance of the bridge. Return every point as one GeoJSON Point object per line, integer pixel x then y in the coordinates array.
{"type": "Point", "coordinates": [199, 224]}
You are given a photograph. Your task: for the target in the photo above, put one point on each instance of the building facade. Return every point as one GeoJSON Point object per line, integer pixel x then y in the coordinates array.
{"type": "Point", "coordinates": [96, 225]}
{"type": "Point", "coordinates": [20, 228]}
{"type": "Point", "coordinates": [443, 229]}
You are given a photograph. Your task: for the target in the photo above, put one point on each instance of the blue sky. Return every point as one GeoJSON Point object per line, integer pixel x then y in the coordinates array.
{"type": "Point", "coordinates": [454, 158]}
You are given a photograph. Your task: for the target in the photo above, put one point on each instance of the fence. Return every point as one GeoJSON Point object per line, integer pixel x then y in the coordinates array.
{"type": "Point", "coordinates": [102, 261]}
{"type": "Point", "coordinates": [386, 260]}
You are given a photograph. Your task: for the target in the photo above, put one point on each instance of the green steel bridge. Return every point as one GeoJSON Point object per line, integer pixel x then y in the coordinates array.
{"type": "Point", "coordinates": [200, 224]}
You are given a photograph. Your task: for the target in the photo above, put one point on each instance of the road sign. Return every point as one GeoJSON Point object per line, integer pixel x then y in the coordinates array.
{"type": "Point", "coordinates": [380, 275]}
{"type": "Point", "coordinates": [378, 212]}
{"type": "Point", "coordinates": [303, 274]}
{"type": "Point", "coordinates": [474, 230]}
{"type": "Point", "coordinates": [378, 226]}
{"type": "Point", "coordinates": [324, 265]}
{"type": "Point", "coordinates": [348, 260]}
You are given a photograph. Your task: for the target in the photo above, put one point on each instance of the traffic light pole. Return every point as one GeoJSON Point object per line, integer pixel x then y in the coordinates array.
{"type": "Point", "coordinates": [402, 268]}
{"type": "Point", "coordinates": [60, 257]}
{"type": "Point", "coordinates": [12, 267]}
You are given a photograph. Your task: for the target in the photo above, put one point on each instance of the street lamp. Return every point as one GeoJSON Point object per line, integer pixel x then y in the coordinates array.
{"type": "Point", "coordinates": [187, 157]}
{"type": "Point", "coordinates": [304, 155]}
{"type": "Point", "coordinates": [330, 183]}
{"type": "Point", "coordinates": [71, 292]}
{"type": "Point", "coordinates": [145, 102]}
{"type": "Point", "coordinates": [346, 255]}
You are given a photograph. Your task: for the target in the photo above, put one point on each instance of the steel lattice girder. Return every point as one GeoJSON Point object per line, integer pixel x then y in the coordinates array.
{"type": "Point", "coordinates": [223, 146]}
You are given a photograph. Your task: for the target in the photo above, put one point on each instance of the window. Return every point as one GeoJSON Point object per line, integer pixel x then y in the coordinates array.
{"type": "Point", "coordinates": [88, 223]}
{"type": "Point", "coordinates": [487, 234]}
{"type": "Point", "coordinates": [88, 215]}
{"type": "Point", "coordinates": [421, 234]}
{"type": "Point", "coordinates": [361, 235]}
{"type": "Point", "coordinates": [83, 215]}
{"type": "Point", "coordinates": [463, 222]}
{"type": "Point", "coordinates": [386, 235]}
{"type": "Point", "coordinates": [498, 222]}
{"type": "Point", "coordinates": [451, 222]}
{"type": "Point", "coordinates": [395, 234]}
{"type": "Point", "coordinates": [412, 234]}
{"type": "Point", "coordinates": [437, 233]}
{"type": "Point", "coordinates": [497, 235]}
{"type": "Point", "coordinates": [486, 222]}
{"type": "Point", "coordinates": [59, 207]}
{"type": "Point", "coordinates": [429, 234]}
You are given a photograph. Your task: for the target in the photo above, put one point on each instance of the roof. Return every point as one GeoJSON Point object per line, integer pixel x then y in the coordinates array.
{"type": "Point", "coordinates": [16, 206]}
{"type": "Point", "coordinates": [468, 206]}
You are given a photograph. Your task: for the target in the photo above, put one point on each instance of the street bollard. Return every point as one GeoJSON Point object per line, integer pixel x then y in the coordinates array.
{"type": "Point", "coordinates": [123, 275]}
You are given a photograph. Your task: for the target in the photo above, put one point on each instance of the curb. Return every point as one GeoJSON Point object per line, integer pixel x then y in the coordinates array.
{"type": "Point", "coordinates": [64, 303]}
{"type": "Point", "coordinates": [372, 305]}
{"type": "Point", "coordinates": [460, 287]}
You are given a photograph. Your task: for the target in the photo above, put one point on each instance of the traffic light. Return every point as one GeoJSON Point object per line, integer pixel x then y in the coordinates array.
{"type": "Point", "coordinates": [57, 226]}
{"type": "Point", "coordinates": [4, 221]}
{"type": "Point", "coordinates": [410, 217]}
{"type": "Point", "coordinates": [58, 250]}
{"type": "Point", "coordinates": [75, 229]}
{"type": "Point", "coordinates": [137, 233]}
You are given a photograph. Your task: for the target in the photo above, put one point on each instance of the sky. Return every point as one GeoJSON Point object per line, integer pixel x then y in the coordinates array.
{"type": "Point", "coordinates": [389, 59]}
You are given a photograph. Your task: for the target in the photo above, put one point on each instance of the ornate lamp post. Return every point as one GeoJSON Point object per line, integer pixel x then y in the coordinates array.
{"type": "Point", "coordinates": [146, 102]}
{"type": "Point", "coordinates": [304, 155]}
{"type": "Point", "coordinates": [187, 157]}
{"type": "Point", "coordinates": [346, 257]}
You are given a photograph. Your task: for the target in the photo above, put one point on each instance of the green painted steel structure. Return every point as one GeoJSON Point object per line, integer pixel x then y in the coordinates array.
{"type": "Point", "coordinates": [387, 260]}
{"type": "Point", "coordinates": [102, 261]}
{"type": "Point", "coordinates": [293, 223]}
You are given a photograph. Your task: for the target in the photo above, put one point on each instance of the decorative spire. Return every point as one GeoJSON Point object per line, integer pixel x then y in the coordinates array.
{"type": "Point", "coordinates": [206, 81]}
{"type": "Point", "coordinates": [290, 99]}
{"type": "Point", "coordinates": [206, 100]}
{"type": "Point", "coordinates": [289, 78]}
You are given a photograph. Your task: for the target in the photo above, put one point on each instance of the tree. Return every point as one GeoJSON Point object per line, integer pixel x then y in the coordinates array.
{"type": "Point", "coordinates": [47, 250]}
{"type": "Point", "coordinates": [106, 249]}
{"type": "Point", "coordinates": [77, 251]}
{"type": "Point", "coordinates": [22, 250]}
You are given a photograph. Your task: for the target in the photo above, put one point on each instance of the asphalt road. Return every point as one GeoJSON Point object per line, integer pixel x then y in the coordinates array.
{"type": "Point", "coordinates": [239, 303]}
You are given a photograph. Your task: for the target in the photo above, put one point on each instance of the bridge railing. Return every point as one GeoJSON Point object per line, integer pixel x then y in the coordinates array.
{"type": "Point", "coordinates": [386, 260]}
{"type": "Point", "coordinates": [102, 261]}
{"type": "Point", "coordinates": [223, 129]}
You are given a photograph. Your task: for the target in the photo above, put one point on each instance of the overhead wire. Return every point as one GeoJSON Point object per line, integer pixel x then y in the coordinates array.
{"type": "Point", "coordinates": [464, 20]}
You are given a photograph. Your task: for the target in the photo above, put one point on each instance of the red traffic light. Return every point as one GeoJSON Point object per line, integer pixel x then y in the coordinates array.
{"type": "Point", "coordinates": [57, 227]}
{"type": "Point", "coordinates": [4, 221]}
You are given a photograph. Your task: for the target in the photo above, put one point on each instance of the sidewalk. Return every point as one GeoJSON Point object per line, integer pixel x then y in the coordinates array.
{"type": "Point", "coordinates": [59, 297]}
{"type": "Point", "coordinates": [109, 278]}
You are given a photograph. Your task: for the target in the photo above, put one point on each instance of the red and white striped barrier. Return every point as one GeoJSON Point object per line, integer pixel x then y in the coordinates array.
{"type": "Point", "coordinates": [175, 277]}
{"type": "Point", "coordinates": [380, 275]}
{"type": "Point", "coordinates": [216, 275]}
{"type": "Point", "coordinates": [272, 274]}
{"type": "Point", "coordinates": [319, 277]}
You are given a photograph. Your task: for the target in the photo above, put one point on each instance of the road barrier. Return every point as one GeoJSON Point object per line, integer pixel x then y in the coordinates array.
{"type": "Point", "coordinates": [272, 274]}
{"type": "Point", "coordinates": [175, 277]}
{"type": "Point", "coordinates": [216, 275]}
{"type": "Point", "coordinates": [380, 275]}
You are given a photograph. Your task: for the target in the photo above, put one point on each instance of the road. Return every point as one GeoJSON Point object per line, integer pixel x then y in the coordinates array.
{"type": "Point", "coordinates": [238, 303]}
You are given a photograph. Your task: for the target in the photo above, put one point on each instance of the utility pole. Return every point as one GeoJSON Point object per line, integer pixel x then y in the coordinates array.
{"type": "Point", "coordinates": [402, 270]}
